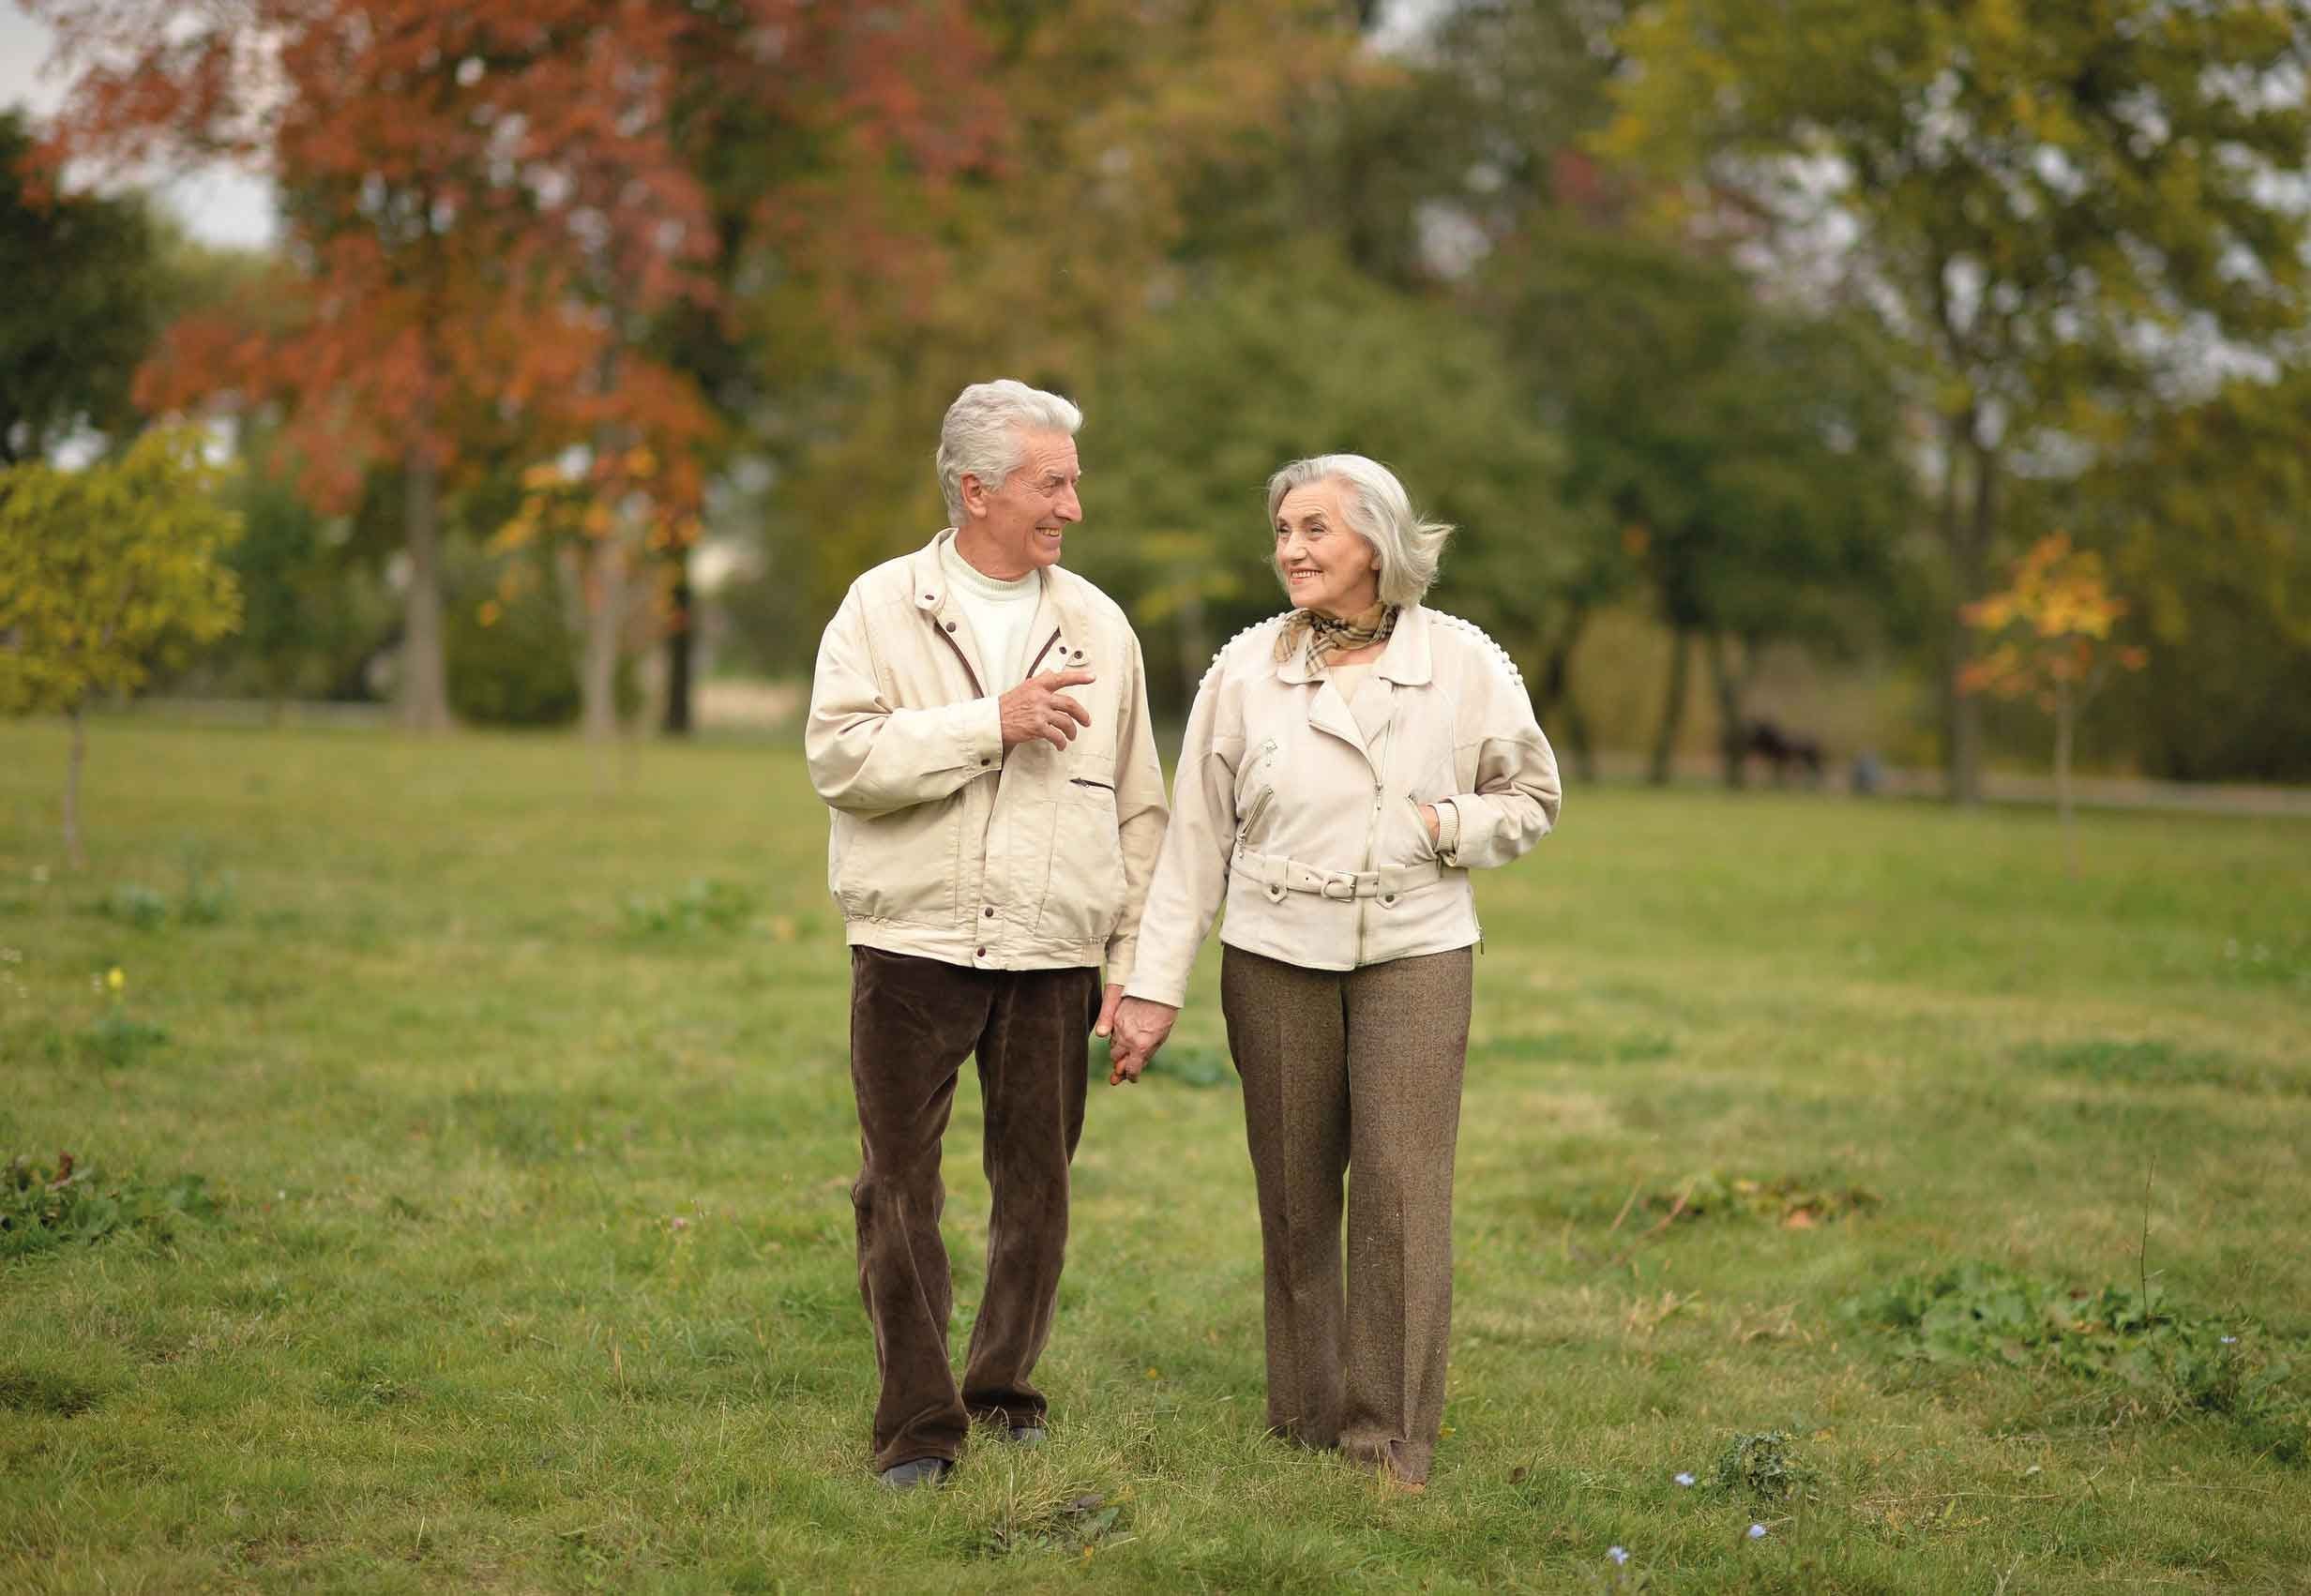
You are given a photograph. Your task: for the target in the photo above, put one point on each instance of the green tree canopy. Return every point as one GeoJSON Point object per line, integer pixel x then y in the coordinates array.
{"type": "Point", "coordinates": [106, 576]}
{"type": "Point", "coordinates": [2052, 210]}
{"type": "Point", "coordinates": [1202, 402]}
{"type": "Point", "coordinates": [85, 297]}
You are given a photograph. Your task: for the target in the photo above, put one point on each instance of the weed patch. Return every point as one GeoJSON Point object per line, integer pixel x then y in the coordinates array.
{"type": "Point", "coordinates": [1786, 1200]}
{"type": "Point", "coordinates": [2183, 1362]}
{"type": "Point", "coordinates": [1203, 1068]}
{"type": "Point", "coordinates": [206, 900]}
{"type": "Point", "coordinates": [705, 905]}
{"type": "Point", "coordinates": [44, 1390]}
{"type": "Point", "coordinates": [1761, 1466]}
{"type": "Point", "coordinates": [119, 1039]}
{"type": "Point", "coordinates": [47, 1206]}
{"type": "Point", "coordinates": [1075, 1526]}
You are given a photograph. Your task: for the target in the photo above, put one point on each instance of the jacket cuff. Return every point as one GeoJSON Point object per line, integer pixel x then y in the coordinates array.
{"type": "Point", "coordinates": [1448, 831]}
{"type": "Point", "coordinates": [1123, 953]}
{"type": "Point", "coordinates": [982, 733]}
{"type": "Point", "coordinates": [1152, 989]}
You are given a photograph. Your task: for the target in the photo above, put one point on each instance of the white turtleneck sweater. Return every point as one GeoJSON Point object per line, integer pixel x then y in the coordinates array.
{"type": "Point", "coordinates": [1001, 614]}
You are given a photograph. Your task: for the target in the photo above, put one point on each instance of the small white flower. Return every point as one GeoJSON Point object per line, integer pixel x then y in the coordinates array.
{"type": "Point", "coordinates": [1685, 1478]}
{"type": "Point", "coordinates": [2230, 1341]}
{"type": "Point", "coordinates": [1757, 1532]}
{"type": "Point", "coordinates": [1619, 1554]}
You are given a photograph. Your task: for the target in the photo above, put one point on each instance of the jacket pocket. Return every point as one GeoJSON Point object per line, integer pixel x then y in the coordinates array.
{"type": "Point", "coordinates": [1422, 845]}
{"type": "Point", "coordinates": [900, 866]}
{"type": "Point", "coordinates": [1258, 791]}
{"type": "Point", "coordinates": [1084, 894]}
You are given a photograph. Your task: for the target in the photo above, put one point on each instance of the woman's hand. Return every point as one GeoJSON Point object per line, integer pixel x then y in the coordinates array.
{"type": "Point", "coordinates": [1141, 1027]}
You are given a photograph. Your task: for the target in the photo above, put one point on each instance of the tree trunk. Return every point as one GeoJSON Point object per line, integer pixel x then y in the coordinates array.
{"type": "Point", "coordinates": [1732, 743]}
{"type": "Point", "coordinates": [73, 854]}
{"type": "Point", "coordinates": [1557, 702]}
{"type": "Point", "coordinates": [425, 677]}
{"type": "Point", "coordinates": [1969, 536]}
{"type": "Point", "coordinates": [2065, 718]}
{"type": "Point", "coordinates": [1672, 711]}
{"type": "Point", "coordinates": [602, 587]}
{"type": "Point", "coordinates": [680, 641]}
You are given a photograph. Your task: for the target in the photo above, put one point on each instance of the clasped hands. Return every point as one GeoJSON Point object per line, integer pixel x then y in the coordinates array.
{"type": "Point", "coordinates": [1135, 1027]}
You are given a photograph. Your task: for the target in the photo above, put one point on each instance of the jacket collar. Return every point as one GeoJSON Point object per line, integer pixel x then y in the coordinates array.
{"type": "Point", "coordinates": [928, 579]}
{"type": "Point", "coordinates": [1404, 661]}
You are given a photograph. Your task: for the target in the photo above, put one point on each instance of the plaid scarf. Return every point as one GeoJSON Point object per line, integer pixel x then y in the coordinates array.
{"type": "Point", "coordinates": [1331, 634]}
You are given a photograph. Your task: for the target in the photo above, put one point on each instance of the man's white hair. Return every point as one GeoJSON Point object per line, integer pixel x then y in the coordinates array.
{"type": "Point", "coordinates": [980, 436]}
{"type": "Point", "coordinates": [1381, 512]}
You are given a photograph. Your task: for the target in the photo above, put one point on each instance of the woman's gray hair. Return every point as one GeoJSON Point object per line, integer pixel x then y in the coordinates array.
{"type": "Point", "coordinates": [1379, 511]}
{"type": "Point", "coordinates": [980, 436]}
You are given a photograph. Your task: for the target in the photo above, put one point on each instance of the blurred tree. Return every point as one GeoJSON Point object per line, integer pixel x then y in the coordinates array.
{"type": "Point", "coordinates": [313, 613]}
{"type": "Point", "coordinates": [2053, 211]}
{"type": "Point", "coordinates": [2049, 633]}
{"type": "Point", "coordinates": [107, 575]}
{"type": "Point", "coordinates": [86, 295]}
{"type": "Point", "coordinates": [1207, 398]}
{"type": "Point", "coordinates": [1102, 205]}
{"type": "Point", "coordinates": [1748, 456]}
{"type": "Point", "coordinates": [2204, 512]}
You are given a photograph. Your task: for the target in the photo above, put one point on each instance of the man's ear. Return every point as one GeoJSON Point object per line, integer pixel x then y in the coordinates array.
{"type": "Point", "coordinates": [975, 494]}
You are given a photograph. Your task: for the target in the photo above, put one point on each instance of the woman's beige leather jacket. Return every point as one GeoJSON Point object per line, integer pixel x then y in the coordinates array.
{"type": "Point", "coordinates": [1311, 833]}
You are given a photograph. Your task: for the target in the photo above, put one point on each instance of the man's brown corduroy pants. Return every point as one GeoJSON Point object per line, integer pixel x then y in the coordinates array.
{"type": "Point", "coordinates": [1356, 1073]}
{"type": "Point", "coordinates": [912, 1022]}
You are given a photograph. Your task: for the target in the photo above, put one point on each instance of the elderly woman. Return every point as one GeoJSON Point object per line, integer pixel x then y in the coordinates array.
{"type": "Point", "coordinates": [1347, 764]}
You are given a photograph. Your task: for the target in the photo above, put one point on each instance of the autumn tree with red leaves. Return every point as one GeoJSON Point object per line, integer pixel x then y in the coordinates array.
{"type": "Point", "coordinates": [488, 211]}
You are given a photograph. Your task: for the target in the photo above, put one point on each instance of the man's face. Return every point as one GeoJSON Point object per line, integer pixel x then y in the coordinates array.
{"type": "Point", "coordinates": [1017, 525]}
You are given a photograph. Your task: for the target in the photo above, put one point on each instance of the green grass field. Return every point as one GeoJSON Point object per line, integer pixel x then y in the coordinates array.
{"type": "Point", "coordinates": [520, 1255]}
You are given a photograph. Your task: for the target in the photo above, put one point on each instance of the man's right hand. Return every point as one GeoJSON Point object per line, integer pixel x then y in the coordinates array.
{"type": "Point", "coordinates": [1037, 708]}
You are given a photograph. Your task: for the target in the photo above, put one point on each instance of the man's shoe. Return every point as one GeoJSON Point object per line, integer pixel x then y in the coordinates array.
{"type": "Point", "coordinates": [1027, 1434]}
{"type": "Point", "coordinates": [917, 1471]}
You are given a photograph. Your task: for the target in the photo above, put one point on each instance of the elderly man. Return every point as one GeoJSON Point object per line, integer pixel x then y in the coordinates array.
{"type": "Point", "coordinates": [979, 727]}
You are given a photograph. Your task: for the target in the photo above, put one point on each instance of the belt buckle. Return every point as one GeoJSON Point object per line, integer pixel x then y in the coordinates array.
{"type": "Point", "coordinates": [1339, 887]}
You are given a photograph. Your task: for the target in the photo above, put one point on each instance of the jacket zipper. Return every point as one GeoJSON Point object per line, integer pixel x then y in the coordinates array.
{"type": "Point", "coordinates": [1086, 781]}
{"type": "Point", "coordinates": [1260, 808]}
{"type": "Point", "coordinates": [962, 659]}
{"type": "Point", "coordinates": [1039, 653]}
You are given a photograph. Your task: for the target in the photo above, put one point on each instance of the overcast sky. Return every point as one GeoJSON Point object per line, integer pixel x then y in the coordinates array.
{"type": "Point", "coordinates": [216, 203]}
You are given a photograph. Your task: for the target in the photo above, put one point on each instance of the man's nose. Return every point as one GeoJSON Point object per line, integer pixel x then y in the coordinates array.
{"type": "Point", "coordinates": [1070, 506]}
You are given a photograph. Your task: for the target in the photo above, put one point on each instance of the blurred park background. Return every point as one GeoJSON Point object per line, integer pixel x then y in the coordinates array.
{"type": "Point", "coordinates": [424, 1157]}
{"type": "Point", "coordinates": [560, 362]}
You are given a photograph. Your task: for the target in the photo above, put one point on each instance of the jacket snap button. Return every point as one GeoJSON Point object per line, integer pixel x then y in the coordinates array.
{"type": "Point", "coordinates": [950, 625]}
{"type": "Point", "coordinates": [988, 913]}
{"type": "Point", "coordinates": [1388, 900]}
{"type": "Point", "coordinates": [982, 952]}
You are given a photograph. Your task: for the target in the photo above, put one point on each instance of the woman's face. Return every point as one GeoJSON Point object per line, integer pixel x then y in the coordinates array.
{"type": "Point", "coordinates": [1327, 566]}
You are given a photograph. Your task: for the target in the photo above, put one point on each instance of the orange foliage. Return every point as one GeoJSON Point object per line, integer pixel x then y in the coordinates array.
{"type": "Point", "coordinates": [2049, 628]}
{"type": "Point", "coordinates": [485, 204]}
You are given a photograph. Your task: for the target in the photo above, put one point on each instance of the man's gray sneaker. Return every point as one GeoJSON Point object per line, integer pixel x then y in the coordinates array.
{"type": "Point", "coordinates": [915, 1472]}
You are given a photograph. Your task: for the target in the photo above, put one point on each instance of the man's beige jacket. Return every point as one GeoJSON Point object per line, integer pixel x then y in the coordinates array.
{"type": "Point", "coordinates": [1311, 832]}
{"type": "Point", "coordinates": [944, 843]}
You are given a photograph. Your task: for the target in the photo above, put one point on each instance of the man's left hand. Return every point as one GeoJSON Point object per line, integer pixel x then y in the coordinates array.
{"type": "Point", "coordinates": [1104, 1024]}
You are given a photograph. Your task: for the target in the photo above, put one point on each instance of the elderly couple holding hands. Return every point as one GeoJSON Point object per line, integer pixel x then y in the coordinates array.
{"type": "Point", "coordinates": [979, 730]}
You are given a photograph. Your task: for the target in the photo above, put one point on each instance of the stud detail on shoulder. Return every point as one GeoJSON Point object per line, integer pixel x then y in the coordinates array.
{"type": "Point", "coordinates": [1485, 643]}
